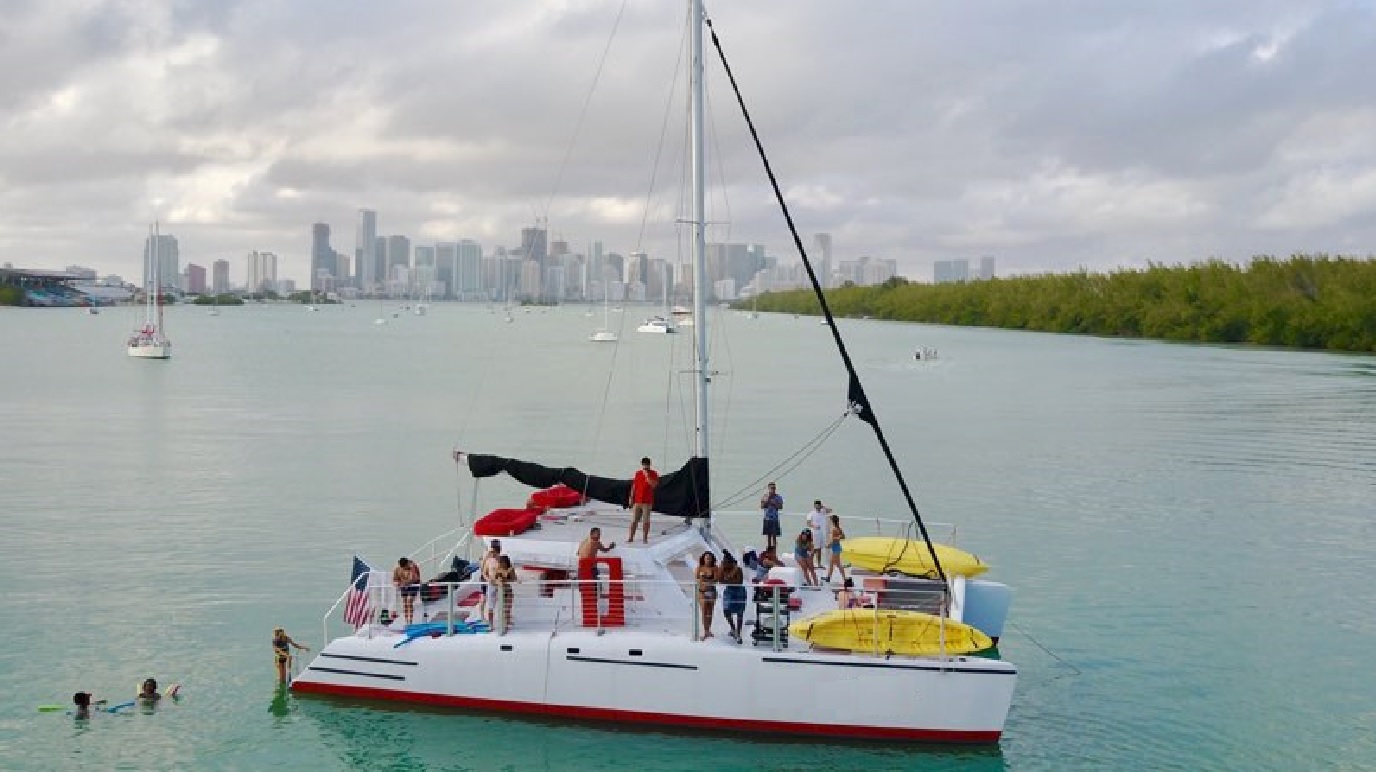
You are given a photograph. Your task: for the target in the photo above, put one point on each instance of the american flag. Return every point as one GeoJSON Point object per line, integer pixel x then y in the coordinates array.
{"type": "Point", "coordinates": [357, 608]}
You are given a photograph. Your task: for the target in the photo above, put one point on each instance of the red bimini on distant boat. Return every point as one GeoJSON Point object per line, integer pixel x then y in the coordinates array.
{"type": "Point", "coordinates": [619, 636]}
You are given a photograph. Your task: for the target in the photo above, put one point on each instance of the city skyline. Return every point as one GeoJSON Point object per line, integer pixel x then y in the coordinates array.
{"type": "Point", "coordinates": [1049, 137]}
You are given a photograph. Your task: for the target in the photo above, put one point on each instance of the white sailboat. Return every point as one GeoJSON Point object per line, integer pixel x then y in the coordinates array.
{"type": "Point", "coordinates": [619, 637]}
{"type": "Point", "coordinates": [150, 340]}
{"type": "Point", "coordinates": [604, 335]}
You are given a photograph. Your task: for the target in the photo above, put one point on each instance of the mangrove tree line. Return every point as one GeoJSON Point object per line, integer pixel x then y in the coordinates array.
{"type": "Point", "coordinates": [1308, 301]}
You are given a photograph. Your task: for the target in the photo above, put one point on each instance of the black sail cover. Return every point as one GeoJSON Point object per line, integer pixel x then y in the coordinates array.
{"type": "Point", "coordinates": [680, 494]}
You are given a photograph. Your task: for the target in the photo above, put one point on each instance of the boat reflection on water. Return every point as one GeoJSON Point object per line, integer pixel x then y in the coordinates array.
{"type": "Point", "coordinates": [383, 734]}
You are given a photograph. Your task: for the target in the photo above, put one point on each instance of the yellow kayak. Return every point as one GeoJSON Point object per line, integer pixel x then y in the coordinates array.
{"type": "Point", "coordinates": [882, 554]}
{"type": "Point", "coordinates": [886, 631]}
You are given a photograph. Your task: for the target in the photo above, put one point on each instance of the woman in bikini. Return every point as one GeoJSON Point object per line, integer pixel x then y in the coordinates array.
{"type": "Point", "coordinates": [837, 534]}
{"type": "Point", "coordinates": [802, 552]}
{"type": "Point", "coordinates": [502, 579]}
{"type": "Point", "coordinates": [282, 644]}
{"type": "Point", "coordinates": [706, 577]}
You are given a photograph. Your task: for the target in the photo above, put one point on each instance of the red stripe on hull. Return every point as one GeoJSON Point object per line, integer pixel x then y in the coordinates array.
{"type": "Point", "coordinates": [643, 717]}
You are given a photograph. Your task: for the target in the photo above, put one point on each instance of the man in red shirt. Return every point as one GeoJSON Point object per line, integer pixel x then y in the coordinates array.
{"type": "Point", "coordinates": [642, 498]}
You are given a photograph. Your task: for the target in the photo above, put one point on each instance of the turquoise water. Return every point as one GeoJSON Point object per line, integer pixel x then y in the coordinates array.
{"type": "Point", "coordinates": [1188, 530]}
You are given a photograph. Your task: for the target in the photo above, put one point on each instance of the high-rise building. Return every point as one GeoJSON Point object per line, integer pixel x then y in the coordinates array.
{"type": "Point", "coordinates": [168, 261]}
{"type": "Point", "coordinates": [398, 253]}
{"type": "Point", "coordinates": [262, 272]}
{"type": "Point", "coordinates": [379, 263]}
{"type": "Point", "coordinates": [944, 271]}
{"type": "Point", "coordinates": [323, 262]}
{"type": "Point", "coordinates": [534, 244]}
{"type": "Point", "coordinates": [468, 270]}
{"type": "Point", "coordinates": [219, 273]}
{"type": "Point", "coordinates": [822, 258]}
{"type": "Point", "coordinates": [365, 246]}
{"type": "Point", "coordinates": [195, 279]}
{"type": "Point", "coordinates": [424, 256]}
{"type": "Point", "coordinates": [986, 267]}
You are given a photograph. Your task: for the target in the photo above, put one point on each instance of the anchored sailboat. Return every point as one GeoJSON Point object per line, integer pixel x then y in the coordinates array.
{"type": "Point", "coordinates": [150, 340]}
{"type": "Point", "coordinates": [619, 635]}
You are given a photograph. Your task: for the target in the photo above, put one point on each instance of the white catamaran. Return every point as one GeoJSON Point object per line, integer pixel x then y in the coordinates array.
{"type": "Point", "coordinates": [150, 341]}
{"type": "Point", "coordinates": [620, 637]}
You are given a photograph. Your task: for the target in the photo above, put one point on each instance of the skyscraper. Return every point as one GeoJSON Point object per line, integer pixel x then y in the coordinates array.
{"type": "Point", "coordinates": [468, 271]}
{"type": "Point", "coordinates": [219, 282]}
{"type": "Point", "coordinates": [365, 244]}
{"type": "Point", "coordinates": [398, 253]}
{"type": "Point", "coordinates": [822, 259]}
{"type": "Point", "coordinates": [168, 260]}
{"type": "Point", "coordinates": [195, 279]}
{"type": "Point", "coordinates": [322, 255]}
{"type": "Point", "coordinates": [534, 244]}
{"type": "Point", "coordinates": [262, 272]}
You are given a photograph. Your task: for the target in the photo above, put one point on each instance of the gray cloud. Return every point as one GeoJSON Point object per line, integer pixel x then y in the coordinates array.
{"type": "Point", "coordinates": [1050, 134]}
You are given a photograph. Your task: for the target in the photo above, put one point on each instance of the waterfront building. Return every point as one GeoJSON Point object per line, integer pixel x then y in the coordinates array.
{"type": "Point", "coordinates": [219, 277]}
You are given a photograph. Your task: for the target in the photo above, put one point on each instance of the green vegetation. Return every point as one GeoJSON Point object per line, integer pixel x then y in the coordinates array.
{"type": "Point", "coordinates": [307, 297]}
{"type": "Point", "coordinates": [218, 300]}
{"type": "Point", "coordinates": [11, 295]}
{"type": "Point", "coordinates": [1307, 301]}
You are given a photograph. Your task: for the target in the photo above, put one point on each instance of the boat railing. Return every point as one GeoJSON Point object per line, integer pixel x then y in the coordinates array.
{"type": "Point", "coordinates": [857, 525]}
{"type": "Point", "coordinates": [559, 605]}
{"type": "Point", "coordinates": [428, 555]}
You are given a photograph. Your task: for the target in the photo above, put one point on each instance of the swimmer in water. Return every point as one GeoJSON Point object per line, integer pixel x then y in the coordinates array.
{"type": "Point", "coordinates": [149, 691]}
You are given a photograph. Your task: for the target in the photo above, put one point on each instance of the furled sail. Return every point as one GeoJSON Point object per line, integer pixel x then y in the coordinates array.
{"type": "Point", "coordinates": [680, 494]}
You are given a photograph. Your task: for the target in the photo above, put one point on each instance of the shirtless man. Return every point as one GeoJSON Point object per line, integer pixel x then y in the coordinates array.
{"type": "Point", "coordinates": [589, 548]}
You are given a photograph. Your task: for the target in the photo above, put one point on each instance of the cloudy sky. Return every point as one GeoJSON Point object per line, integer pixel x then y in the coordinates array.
{"type": "Point", "coordinates": [1049, 134]}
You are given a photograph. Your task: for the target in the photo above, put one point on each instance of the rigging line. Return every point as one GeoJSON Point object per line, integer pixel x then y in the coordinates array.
{"type": "Point", "coordinates": [1039, 645]}
{"type": "Point", "coordinates": [807, 448]}
{"type": "Point", "coordinates": [587, 102]}
{"type": "Point", "coordinates": [721, 168]}
{"type": "Point", "coordinates": [663, 132]}
{"type": "Point", "coordinates": [856, 395]}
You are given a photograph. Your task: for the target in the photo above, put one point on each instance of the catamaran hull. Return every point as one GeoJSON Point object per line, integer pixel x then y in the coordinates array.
{"type": "Point", "coordinates": [163, 351]}
{"type": "Point", "coordinates": [648, 679]}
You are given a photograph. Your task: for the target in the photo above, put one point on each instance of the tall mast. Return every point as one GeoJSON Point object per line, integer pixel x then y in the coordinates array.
{"type": "Point", "coordinates": [157, 273]}
{"type": "Point", "coordinates": [700, 447]}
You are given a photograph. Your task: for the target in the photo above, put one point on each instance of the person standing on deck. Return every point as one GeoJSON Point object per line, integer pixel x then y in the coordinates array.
{"type": "Point", "coordinates": [491, 562]}
{"type": "Point", "coordinates": [642, 498]}
{"type": "Point", "coordinates": [589, 548]}
{"type": "Point", "coordinates": [406, 577]}
{"type": "Point", "coordinates": [817, 522]}
{"type": "Point", "coordinates": [771, 503]}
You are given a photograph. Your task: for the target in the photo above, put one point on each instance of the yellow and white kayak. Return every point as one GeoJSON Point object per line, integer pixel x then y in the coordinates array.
{"type": "Point", "coordinates": [886, 631]}
{"type": "Point", "coordinates": [882, 554]}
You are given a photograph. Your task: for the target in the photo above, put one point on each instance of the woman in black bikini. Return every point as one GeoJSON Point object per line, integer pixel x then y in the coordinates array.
{"type": "Point", "coordinates": [282, 645]}
{"type": "Point", "coordinates": [706, 577]}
